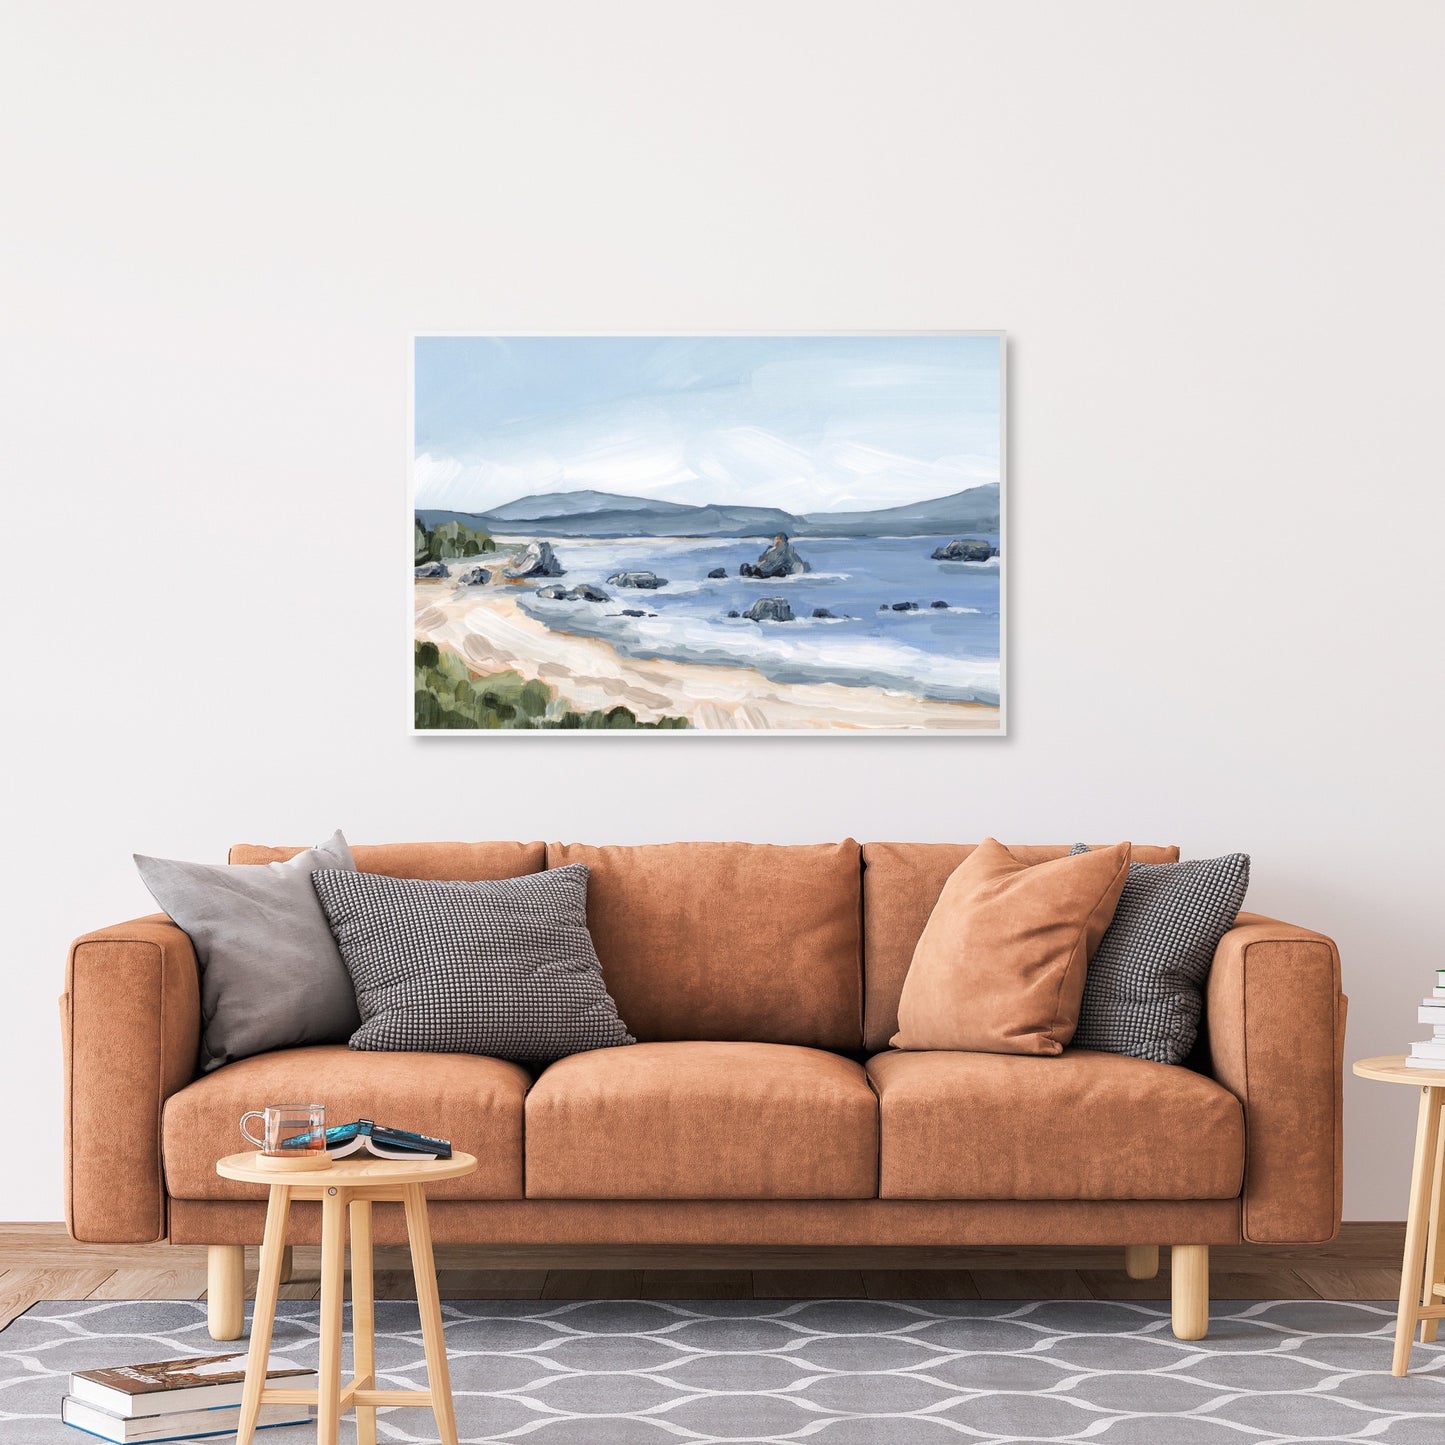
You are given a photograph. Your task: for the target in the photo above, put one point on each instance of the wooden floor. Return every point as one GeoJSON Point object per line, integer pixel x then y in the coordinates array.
{"type": "Point", "coordinates": [39, 1261]}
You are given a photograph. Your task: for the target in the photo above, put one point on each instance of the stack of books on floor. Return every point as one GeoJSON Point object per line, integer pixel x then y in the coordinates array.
{"type": "Point", "coordinates": [1430, 1053]}
{"type": "Point", "coordinates": [186, 1399]}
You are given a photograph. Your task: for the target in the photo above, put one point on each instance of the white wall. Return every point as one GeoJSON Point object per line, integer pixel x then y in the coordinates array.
{"type": "Point", "coordinates": [1213, 233]}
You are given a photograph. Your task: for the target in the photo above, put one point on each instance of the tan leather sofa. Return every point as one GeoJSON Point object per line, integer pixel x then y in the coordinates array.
{"type": "Point", "coordinates": [762, 1105]}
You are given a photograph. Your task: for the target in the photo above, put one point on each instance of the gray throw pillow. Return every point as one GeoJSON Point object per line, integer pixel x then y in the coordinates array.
{"type": "Point", "coordinates": [1144, 991]}
{"type": "Point", "coordinates": [271, 977]}
{"type": "Point", "coordinates": [502, 967]}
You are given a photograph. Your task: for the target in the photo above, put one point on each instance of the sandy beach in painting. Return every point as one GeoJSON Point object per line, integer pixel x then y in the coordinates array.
{"type": "Point", "coordinates": [487, 629]}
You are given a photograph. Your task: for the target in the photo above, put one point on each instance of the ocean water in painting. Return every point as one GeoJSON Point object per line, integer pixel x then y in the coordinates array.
{"type": "Point", "coordinates": [949, 652]}
{"type": "Point", "coordinates": [789, 533]}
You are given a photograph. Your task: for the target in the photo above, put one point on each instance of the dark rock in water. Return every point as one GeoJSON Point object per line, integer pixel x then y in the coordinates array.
{"type": "Point", "coordinates": [582, 592]}
{"type": "Point", "coordinates": [883, 607]}
{"type": "Point", "coordinates": [536, 559]}
{"type": "Point", "coordinates": [634, 612]}
{"type": "Point", "coordinates": [780, 560]}
{"type": "Point", "coordinates": [718, 572]}
{"type": "Point", "coordinates": [905, 607]}
{"type": "Point", "coordinates": [770, 609]}
{"type": "Point", "coordinates": [433, 569]}
{"type": "Point", "coordinates": [823, 612]}
{"type": "Point", "coordinates": [474, 577]}
{"type": "Point", "coordinates": [965, 549]}
{"type": "Point", "coordinates": [942, 605]}
{"type": "Point", "coordinates": [649, 580]}
{"type": "Point", "coordinates": [735, 613]}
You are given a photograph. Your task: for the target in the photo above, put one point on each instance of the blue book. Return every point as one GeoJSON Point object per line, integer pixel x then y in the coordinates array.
{"type": "Point", "coordinates": [364, 1135]}
{"type": "Point", "coordinates": [180, 1425]}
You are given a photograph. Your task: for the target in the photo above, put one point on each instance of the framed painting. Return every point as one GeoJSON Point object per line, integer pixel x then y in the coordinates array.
{"type": "Point", "coordinates": [709, 534]}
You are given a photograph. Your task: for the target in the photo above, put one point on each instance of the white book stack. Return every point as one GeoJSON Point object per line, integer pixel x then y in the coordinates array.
{"type": "Point", "coordinates": [185, 1399]}
{"type": "Point", "coordinates": [1430, 1053]}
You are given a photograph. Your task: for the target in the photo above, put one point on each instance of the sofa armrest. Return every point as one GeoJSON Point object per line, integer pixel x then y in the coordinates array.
{"type": "Point", "coordinates": [131, 1025]}
{"type": "Point", "coordinates": [1275, 1020]}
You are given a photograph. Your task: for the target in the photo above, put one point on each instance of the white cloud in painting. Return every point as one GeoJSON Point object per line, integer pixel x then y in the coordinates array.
{"type": "Point", "coordinates": [806, 424]}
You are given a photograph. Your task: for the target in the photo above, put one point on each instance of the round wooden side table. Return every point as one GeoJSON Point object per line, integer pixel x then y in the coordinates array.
{"type": "Point", "coordinates": [1422, 1292]}
{"type": "Point", "coordinates": [350, 1185]}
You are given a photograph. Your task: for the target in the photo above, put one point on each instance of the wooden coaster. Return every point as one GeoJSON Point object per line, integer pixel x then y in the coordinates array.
{"type": "Point", "coordinates": [300, 1163]}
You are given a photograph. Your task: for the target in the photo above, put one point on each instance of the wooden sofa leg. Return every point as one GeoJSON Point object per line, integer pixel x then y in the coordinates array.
{"type": "Point", "coordinates": [288, 1263]}
{"type": "Point", "coordinates": [226, 1290]}
{"type": "Point", "coordinates": [1189, 1290]}
{"type": "Point", "coordinates": [1141, 1261]}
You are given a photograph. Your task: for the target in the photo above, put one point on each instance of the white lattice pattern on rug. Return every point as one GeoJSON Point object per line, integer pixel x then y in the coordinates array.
{"type": "Point", "coordinates": [834, 1372]}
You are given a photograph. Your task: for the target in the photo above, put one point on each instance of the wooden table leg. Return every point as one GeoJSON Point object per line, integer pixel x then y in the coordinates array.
{"type": "Point", "coordinates": [429, 1305]}
{"type": "Point", "coordinates": [268, 1288]}
{"type": "Point", "coordinates": [333, 1288]}
{"type": "Point", "coordinates": [363, 1317]}
{"type": "Point", "coordinates": [1417, 1225]}
{"type": "Point", "coordinates": [1429, 1328]}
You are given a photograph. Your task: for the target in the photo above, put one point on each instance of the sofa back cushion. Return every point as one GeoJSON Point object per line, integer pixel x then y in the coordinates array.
{"type": "Point", "coordinates": [456, 862]}
{"type": "Point", "coordinates": [901, 883]}
{"type": "Point", "coordinates": [740, 941]}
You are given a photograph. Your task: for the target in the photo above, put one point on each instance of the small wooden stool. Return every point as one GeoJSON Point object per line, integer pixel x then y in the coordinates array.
{"type": "Point", "coordinates": [1422, 1292]}
{"type": "Point", "coordinates": [353, 1184]}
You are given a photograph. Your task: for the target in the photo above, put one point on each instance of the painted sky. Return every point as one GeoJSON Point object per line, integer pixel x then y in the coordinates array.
{"type": "Point", "coordinates": [805, 423]}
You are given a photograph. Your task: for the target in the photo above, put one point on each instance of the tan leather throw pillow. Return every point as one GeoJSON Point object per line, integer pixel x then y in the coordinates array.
{"type": "Point", "coordinates": [1000, 966]}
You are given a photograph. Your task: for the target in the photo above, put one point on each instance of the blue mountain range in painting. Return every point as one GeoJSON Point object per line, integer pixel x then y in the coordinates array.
{"type": "Point", "coordinates": [612, 514]}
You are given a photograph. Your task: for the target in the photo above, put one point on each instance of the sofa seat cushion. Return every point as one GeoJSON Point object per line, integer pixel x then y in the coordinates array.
{"type": "Point", "coordinates": [702, 1120]}
{"type": "Point", "coordinates": [475, 1102]}
{"type": "Point", "coordinates": [1081, 1125]}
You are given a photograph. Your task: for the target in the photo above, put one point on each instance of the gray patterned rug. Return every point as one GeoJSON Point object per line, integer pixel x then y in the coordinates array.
{"type": "Point", "coordinates": [836, 1372]}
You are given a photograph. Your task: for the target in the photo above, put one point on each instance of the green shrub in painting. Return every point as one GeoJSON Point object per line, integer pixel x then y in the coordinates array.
{"type": "Point", "coordinates": [449, 540]}
{"type": "Point", "coordinates": [449, 696]}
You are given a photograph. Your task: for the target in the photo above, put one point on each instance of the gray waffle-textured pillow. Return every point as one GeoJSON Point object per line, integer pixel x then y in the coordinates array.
{"type": "Point", "coordinates": [1143, 994]}
{"type": "Point", "coordinates": [502, 967]}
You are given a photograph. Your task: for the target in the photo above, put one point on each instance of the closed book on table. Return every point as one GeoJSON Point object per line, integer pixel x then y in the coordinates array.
{"type": "Point", "coordinates": [164, 1387]}
{"type": "Point", "coordinates": [1415, 1061]}
{"type": "Point", "coordinates": [178, 1425]}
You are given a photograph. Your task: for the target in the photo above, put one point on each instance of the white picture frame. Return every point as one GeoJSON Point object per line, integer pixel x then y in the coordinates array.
{"type": "Point", "coordinates": [936, 669]}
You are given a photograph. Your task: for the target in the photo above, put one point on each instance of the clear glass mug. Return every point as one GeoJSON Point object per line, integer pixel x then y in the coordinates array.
{"type": "Point", "coordinates": [287, 1129]}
